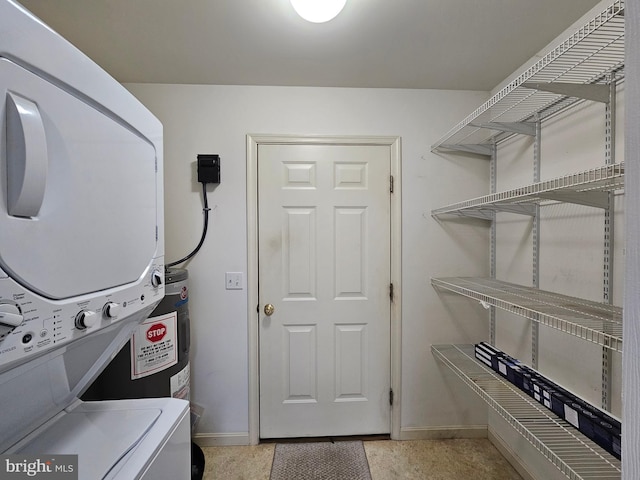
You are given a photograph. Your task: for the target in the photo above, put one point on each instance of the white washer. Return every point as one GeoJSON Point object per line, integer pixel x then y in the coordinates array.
{"type": "Point", "coordinates": [120, 439]}
{"type": "Point", "coordinates": [81, 258]}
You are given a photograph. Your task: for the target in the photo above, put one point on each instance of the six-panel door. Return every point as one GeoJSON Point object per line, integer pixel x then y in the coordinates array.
{"type": "Point", "coordinates": [324, 265]}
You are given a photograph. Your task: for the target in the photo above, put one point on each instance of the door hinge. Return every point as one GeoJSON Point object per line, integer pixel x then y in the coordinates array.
{"type": "Point", "coordinates": [391, 292]}
{"type": "Point", "coordinates": [391, 183]}
{"type": "Point", "coordinates": [391, 396]}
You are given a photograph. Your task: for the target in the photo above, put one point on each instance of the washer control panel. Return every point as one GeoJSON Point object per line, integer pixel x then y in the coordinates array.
{"type": "Point", "coordinates": [31, 325]}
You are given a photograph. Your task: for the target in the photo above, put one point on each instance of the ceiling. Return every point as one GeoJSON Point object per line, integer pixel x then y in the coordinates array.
{"type": "Point", "coordinates": [442, 44]}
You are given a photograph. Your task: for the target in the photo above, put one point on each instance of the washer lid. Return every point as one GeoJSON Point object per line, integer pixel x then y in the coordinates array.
{"type": "Point", "coordinates": [78, 209]}
{"type": "Point", "coordinates": [100, 438]}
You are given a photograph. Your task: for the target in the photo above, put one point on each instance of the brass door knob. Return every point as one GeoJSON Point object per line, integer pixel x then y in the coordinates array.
{"type": "Point", "coordinates": [269, 309]}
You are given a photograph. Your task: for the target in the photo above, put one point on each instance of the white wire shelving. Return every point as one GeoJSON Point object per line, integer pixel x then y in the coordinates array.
{"type": "Point", "coordinates": [595, 322]}
{"type": "Point", "coordinates": [578, 68]}
{"type": "Point", "coordinates": [571, 452]}
{"type": "Point", "coordinates": [590, 188]}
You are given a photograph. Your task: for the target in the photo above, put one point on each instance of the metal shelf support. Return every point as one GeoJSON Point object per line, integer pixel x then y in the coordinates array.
{"type": "Point", "coordinates": [493, 185]}
{"type": "Point", "coordinates": [520, 208]}
{"type": "Point", "coordinates": [535, 324]}
{"type": "Point", "coordinates": [595, 92]}
{"type": "Point", "coordinates": [589, 199]}
{"type": "Point", "coordinates": [609, 215]}
{"type": "Point", "coordinates": [523, 128]}
{"type": "Point", "coordinates": [478, 149]}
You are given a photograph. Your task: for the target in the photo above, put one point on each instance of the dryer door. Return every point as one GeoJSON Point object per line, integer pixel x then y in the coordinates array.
{"type": "Point", "coordinates": [78, 209]}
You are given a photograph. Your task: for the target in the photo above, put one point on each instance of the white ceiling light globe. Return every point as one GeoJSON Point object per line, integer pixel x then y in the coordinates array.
{"type": "Point", "coordinates": [318, 11]}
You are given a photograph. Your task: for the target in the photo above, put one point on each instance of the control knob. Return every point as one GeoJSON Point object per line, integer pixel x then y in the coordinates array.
{"type": "Point", "coordinates": [10, 318]}
{"type": "Point", "coordinates": [86, 319]}
{"type": "Point", "coordinates": [10, 314]}
{"type": "Point", "coordinates": [111, 309]}
{"type": "Point", "coordinates": [157, 278]}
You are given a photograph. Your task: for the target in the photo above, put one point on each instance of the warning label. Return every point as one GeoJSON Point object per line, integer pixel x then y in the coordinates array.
{"type": "Point", "coordinates": [154, 345]}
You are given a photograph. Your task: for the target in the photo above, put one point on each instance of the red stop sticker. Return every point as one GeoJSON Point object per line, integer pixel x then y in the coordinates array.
{"type": "Point", "coordinates": [156, 332]}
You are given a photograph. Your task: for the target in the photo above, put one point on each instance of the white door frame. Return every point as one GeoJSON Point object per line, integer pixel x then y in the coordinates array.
{"type": "Point", "coordinates": [253, 140]}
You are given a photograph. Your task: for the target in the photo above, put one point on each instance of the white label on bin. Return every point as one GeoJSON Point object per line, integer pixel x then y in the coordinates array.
{"type": "Point", "coordinates": [154, 345]}
{"type": "Point", "coordinates": [480, 353]}
{"type": "Point", "coordinates": [181, 383]}
{"type": "Point", "coordinates": [485, 361]}
{"type": "Point", "coordinates": [571, 416]}
{"type": "Point", "coordinates": [503, 368]}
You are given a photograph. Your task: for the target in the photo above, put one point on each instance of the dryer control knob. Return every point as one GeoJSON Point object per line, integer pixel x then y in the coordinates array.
{"type": "Point", "coordinates": [157, 278]}
{"type": "Point", "coordinates": [86, 319]}
{"type": "Point", "coordinates": [10, 315]}
{"type": "Point", "coordinates": [111, 309]}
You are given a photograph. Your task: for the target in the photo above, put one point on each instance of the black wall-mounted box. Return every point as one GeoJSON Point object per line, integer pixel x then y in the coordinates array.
{"type": "Point", "coordinates": [208, 168]}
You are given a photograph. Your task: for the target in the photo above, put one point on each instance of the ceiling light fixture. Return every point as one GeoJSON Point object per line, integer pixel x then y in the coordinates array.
{"type": "Point", "coordinates": [318, 11]}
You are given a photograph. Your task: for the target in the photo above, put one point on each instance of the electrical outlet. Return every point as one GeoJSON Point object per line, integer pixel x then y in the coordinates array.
{"type": "Point", "coordinates": [233, 280]}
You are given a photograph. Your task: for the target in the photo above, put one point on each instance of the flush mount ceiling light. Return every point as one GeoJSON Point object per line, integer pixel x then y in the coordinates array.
{"type": "Point", "coordinates": [318, 11]}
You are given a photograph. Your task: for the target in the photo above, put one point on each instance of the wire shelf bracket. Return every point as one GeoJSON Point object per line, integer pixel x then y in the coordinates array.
{"type": "Point", "coordinates": [595, 92]}
{"type": "Point", "coordinates": [523, 128]}
{"type": "Point", "coordinates": [479, 149]}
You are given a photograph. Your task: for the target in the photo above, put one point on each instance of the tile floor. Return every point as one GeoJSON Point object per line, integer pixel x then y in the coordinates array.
{"type": "Point", "coordinates": [458, 459]}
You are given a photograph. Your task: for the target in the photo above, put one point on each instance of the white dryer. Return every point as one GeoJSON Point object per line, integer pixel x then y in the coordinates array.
{"type": "Point", "coordinates": [81, 259]}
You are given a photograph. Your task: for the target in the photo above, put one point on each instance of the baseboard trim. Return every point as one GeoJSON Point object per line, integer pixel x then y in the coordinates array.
{"type": "Point", "coordinates": [221, 439]}
{"type": "Point", "coordinates": [407, 433]}
{"type": "Point", "coordinates": [440, 433]}
{"type": "Point", "coordinates": [510, 455]}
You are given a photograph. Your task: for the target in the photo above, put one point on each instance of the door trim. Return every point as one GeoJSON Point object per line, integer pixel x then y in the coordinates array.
{"type": "Point", "coordinates": [253, 141]}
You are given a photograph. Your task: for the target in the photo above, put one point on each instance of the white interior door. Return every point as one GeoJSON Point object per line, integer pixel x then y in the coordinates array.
{"type": "Point", "coordinates": [324, 265]}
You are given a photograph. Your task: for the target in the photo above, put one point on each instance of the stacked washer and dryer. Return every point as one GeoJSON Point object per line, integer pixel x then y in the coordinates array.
{"type": "Point", "coordinates": [81, 261]}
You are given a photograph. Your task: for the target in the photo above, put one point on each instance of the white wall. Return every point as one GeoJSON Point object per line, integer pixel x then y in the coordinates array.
{"type": "Point", "coordinates": [216, 119]}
